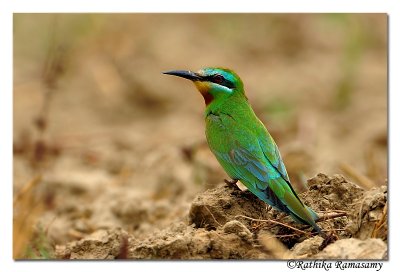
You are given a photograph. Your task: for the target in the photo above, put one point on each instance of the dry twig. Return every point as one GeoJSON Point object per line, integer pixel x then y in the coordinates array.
{"type": "Point", "coordinates": [382, 222]}
{"type": "Point", "coordinates": [274, 222]}
{"type": "Point", "coordinates": [359, 178]}
{"type": "Point", "coordinates": [212, 215]}
{"type": "Point", "coordinates": [331, 216]}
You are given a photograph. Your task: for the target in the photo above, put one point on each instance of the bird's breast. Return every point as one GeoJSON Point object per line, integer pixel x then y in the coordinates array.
{"type": "Point", "coordinates": [219, 132]}
{"type": "Point", "coordinates": [216, 122]}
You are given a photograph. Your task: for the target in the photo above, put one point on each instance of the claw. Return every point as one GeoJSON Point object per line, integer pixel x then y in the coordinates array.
{"type": "Point", "coordinates": [232, 183]}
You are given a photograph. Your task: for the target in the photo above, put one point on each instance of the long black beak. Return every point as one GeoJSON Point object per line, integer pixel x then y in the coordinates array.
{"type": "Point", "coordinates": [185, 74]}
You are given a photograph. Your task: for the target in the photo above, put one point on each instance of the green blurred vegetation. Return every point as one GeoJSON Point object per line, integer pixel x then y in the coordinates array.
{"type": "Point", "coordinates": [40, 247]}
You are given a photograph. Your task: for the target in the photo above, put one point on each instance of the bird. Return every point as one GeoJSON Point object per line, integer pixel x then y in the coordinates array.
{"type": "Point", "coordinates": [242, 144]}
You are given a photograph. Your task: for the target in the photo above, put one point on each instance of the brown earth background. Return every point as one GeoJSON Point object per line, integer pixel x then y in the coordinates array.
{"type": "Point", "coordinates": [110, 155]}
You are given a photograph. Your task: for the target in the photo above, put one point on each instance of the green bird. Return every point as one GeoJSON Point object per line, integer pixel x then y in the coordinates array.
{"type": "Point", "coordinates": [242, 144]}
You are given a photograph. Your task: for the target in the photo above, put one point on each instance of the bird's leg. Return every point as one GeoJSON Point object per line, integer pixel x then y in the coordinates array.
{"type": "Point", "coordinates": [281, 216]}
{"type": "Point", "coordinates": [232, 183]}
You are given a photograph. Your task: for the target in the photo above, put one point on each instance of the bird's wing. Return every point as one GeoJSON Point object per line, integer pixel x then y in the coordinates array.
{"type": "Point", "coordinates": [251, 155]}
{"type": "Point", "coordinates": [248, 162]}
{"type": "Point", "coordinates": [272, 154]}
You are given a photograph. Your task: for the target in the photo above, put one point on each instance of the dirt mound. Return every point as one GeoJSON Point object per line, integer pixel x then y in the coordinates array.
{"type": "Point", "coordinates": [227, 223]}
{"type": "Point", "coordinates": [215, 207]}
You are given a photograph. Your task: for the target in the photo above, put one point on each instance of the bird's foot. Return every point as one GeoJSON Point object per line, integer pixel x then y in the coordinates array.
{"type": "Point", "coordinates": [328, 239]}
{"type": "Point", "coordinates": [232, 183]}
{"type": "Point", "coordinates": [280, 217]}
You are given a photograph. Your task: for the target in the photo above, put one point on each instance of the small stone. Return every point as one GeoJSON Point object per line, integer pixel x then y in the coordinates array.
{"type": "Point", "coordinates": [370, 249]}
{"type": "Point", "coordinates": [237, 228]}
{"type": "Point", "coordinates": [308, 247]}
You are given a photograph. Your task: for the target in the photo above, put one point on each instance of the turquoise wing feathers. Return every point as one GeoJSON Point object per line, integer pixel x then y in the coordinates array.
{"type": "Point", "coordinates": [256, 162]}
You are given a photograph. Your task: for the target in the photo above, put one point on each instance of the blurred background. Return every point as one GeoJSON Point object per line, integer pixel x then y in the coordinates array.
{"type": "Point", "coordinates": [103, 139]}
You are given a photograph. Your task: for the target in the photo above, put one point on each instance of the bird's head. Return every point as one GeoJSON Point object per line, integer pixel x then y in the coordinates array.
{"type": "Point", "coordinates": [212, 83]}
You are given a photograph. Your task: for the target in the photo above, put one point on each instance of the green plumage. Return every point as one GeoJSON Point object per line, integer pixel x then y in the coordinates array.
{"type": "Point", "coordinates": [242, 144]}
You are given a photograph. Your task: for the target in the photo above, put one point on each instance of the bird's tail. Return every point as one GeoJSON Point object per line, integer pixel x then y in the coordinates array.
{"type": "Point", "coordinates": [312, 223]}
{"type": "Point", "coordinates": [314, 215]}
{"type": "Point", "coordinates": [293, 206]}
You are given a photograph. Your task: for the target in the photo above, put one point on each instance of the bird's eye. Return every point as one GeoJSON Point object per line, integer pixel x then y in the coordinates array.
{"type": "Point", "coordinates": [218, 78]}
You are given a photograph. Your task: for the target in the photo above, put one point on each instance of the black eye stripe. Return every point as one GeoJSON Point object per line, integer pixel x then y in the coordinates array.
{"type": "Point", "coordinates": [217, 79]}
{"type": "Point", "coordinates": [229, 84]}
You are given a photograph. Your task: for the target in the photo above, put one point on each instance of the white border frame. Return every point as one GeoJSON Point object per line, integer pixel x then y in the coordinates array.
{"type": "Point", "coordinates": [285, 6]}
